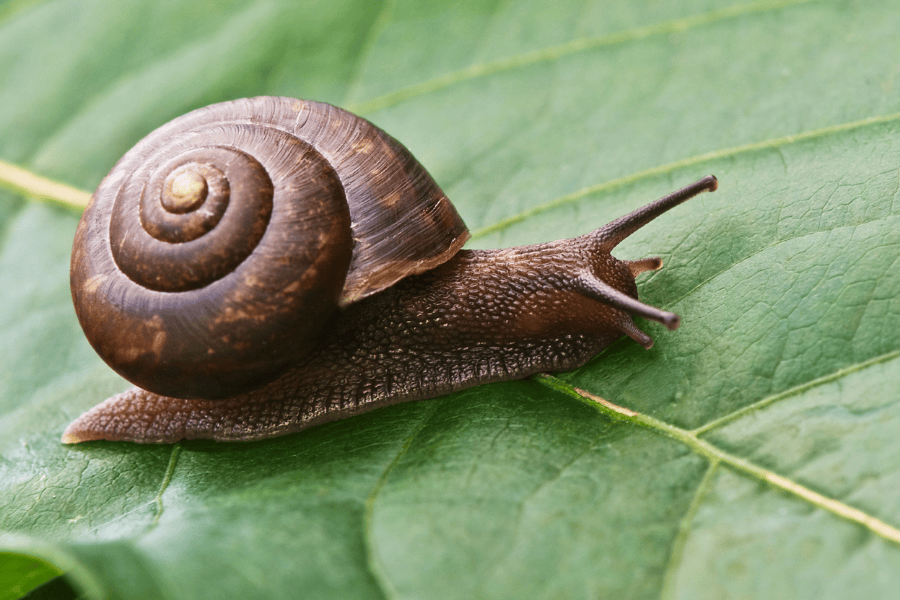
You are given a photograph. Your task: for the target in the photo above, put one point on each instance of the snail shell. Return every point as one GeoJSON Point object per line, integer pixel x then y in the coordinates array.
{"type": "Point", "coordinates": [216, 249]}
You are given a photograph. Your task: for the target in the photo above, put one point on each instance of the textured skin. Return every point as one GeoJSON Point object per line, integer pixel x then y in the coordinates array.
{"type": "Point", "coordinates": [483, 316]}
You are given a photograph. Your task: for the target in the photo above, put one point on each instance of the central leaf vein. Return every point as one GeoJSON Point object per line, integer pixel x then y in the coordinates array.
{"type": "Point", "coordinates": [716, 454]}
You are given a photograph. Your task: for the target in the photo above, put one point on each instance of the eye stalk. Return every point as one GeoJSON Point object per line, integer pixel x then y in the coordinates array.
{"type": "Point", "coordinates": [609, 236]}
{"type": "Point", "coordinates": [604, 239]}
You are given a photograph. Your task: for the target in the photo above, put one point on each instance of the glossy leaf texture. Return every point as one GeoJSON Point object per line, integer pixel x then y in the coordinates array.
{"type": "Point", "coordinates": [752, 453]}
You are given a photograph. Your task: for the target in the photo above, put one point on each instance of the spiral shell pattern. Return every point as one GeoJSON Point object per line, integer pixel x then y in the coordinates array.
{"type": "Point", "coordinates": [217, 248]}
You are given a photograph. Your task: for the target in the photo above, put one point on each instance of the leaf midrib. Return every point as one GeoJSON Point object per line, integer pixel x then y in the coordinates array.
{"type": "Point", "coordinates": [716, 454]}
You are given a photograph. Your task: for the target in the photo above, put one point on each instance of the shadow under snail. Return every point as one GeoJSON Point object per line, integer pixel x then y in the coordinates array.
{"type": "Point", "coordinates": [259, 266]}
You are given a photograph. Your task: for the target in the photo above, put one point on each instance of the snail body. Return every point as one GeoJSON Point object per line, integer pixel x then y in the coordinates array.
{"type": "Point", "coordinates": [373, 303]}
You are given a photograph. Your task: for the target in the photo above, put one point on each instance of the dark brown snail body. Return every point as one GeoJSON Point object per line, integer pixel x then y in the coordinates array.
{"type": "Point", "coordinates": [349, 259]}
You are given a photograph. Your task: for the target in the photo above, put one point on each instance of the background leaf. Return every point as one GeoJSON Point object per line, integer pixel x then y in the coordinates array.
{"type": "Point", "coordinates": [762, 460]}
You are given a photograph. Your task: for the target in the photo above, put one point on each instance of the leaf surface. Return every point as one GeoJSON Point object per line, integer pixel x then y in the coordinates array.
{"type": "Point", "coordinates": [751, 454]}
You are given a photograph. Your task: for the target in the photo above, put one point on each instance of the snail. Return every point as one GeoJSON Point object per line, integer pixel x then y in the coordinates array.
{"type": "Point", "coordinates": [260, 266]}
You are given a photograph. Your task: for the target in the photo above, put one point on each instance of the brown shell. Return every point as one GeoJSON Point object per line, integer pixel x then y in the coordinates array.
{"type": "Point", "coordinates": [402, 222]}
{"type": "Point", "coordinates": [215, 250]}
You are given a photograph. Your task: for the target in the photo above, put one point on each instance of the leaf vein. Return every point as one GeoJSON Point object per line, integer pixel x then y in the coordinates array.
{"type": "Point", "coordinates": [691, 161]}
{"type": "Point", "coordinates": [29, 184]}
{"type": "Point", "coordinates": [684, 529]}
{"type": "Point", "coordinates": [377, 26]}
{"type": "Point", "coordinates": [714, 453]}
{"type": "Point", "coordinates": [575, 46]}
{"type": "Point", "coordinates": [795, 391]}
{"type": "Point", "coordinates": [375, 569]}
{"type": "Point", "coordinates": [166, 480]}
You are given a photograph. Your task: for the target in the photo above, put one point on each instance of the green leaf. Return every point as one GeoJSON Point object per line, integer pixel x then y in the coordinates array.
{"type": "Point", "coordinates": [19, 573]}
{"type": "Point", "coordinates": [750, 454]}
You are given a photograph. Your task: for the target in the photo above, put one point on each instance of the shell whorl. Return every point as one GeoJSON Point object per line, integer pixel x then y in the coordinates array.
{"type": "Point", "coordinates": [215, 250]}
